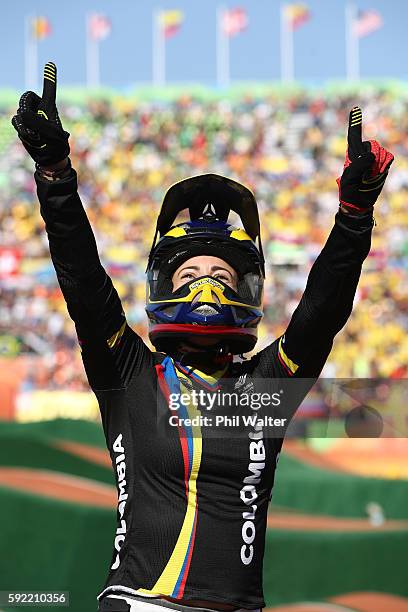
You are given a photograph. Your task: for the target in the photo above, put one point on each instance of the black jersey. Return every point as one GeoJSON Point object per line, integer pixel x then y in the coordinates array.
{"type": "Point", "coordinates": [192, 509]}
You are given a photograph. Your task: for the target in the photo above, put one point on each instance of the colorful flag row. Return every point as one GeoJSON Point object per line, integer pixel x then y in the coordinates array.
{"type": "Point", "coordinates": [365, 23]}
{"type": "Point", "coordinates": [99, 27]}
{"type": "Point", "coordinates": [235, 21]}
{"type": "Point", "coordinates": [230, 22]}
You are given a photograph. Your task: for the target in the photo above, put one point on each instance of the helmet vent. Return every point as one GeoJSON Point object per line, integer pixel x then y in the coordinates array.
{"type": "Point", "coordinates": [209, 213]}
{"type": "Point", "coordinates": [205, 310]}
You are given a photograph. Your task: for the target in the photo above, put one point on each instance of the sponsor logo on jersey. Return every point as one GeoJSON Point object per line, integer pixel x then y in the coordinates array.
{"type": "Point", "coordinates": [120, 460]}
{"type": "Point", "coordinates": [248, 493]}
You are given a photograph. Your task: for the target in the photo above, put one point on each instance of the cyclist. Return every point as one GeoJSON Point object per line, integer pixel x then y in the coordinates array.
{"type": "Point", "coordinates": [192, 509]}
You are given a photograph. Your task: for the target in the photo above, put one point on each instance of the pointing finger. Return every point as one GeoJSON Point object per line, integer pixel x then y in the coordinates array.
{"type": "Point", "coordinates": [354, 136]}
{"type": "Point", "coordinates": [50, 86]}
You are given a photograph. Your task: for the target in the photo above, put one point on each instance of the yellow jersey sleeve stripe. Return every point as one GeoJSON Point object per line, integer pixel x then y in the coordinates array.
{"type": "Point", "coordinates": [288, 362]}
{"type": "Point", "coordinates": [113, 340]}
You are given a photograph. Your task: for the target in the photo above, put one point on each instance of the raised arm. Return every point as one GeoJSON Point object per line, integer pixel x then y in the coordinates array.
{"type": "Point", "coordinates": [110, 349]}
{"type": "Point", "coordinates": [327, 301]}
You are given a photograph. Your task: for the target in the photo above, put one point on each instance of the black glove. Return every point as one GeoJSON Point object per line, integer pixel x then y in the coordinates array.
{"type": "Point", "coordinates": [365, 169]}
{"type": "Point", "coordinates": [38, 124]}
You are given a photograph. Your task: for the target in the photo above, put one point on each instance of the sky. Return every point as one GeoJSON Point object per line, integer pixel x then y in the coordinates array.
{"type": "Point", "coordinates": [126, 56]}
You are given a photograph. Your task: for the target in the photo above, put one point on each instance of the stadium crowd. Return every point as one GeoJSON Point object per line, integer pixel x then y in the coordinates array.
{"type": "Point", "coordinates": [288, 149]}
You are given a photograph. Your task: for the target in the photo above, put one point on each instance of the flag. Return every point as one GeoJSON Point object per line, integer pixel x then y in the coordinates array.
{"type": "Point", "coordinates": [367, 22]}
{"type": "Point", "coordinates": [234, 21]}
{"type": "Point", "coordinates": [296, 15]}
{"type": "Point", "coordinates": [170, 22]}
{"type": "Point", "coordinates": [40, 28]}
{"type": "Point", "coordinates": [99, 26]}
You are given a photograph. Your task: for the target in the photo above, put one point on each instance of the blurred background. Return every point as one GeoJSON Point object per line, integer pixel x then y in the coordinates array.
{"type": "Point", "coordinates": [151, 94]}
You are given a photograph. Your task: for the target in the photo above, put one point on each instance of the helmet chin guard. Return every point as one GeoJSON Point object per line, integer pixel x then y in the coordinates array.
{"type": "Point", "coordinates": [206, 306]}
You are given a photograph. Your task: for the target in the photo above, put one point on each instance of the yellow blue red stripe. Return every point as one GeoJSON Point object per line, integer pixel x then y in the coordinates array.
{"type": "Point", "coordinates": [174, 576]}
{"type": "Point", "coordinates": [181, 582]}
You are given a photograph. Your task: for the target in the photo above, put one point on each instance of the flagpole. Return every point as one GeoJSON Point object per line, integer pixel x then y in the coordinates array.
{"type": "Point", "coordinates": [89, 53]}
{"type": "Point", "coordinates": [226, 38]}
{"type": "Point", "coordinates": [219, 45]}
{"type": "Point", "coordinates": [31, 53]}
{"type": "Point", "coordinates": [223, 50]}
{"type": "Point", "coordinates": [34, 51]}
{"type": "Point", "coordinates": [96, 47]}
{"type": "Point", "coordinates": [286, 48]}
{"type": "Point", "coordinates": [352, 43]}
{"type": "Point", "coordinates": [159, 50]}
{"type": "Point", "coordinates": [92, 56]}
{"type": "Point", "coordinates": [28, 20]}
